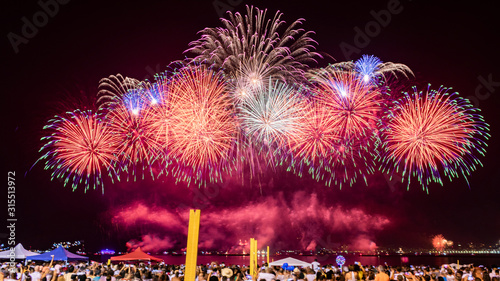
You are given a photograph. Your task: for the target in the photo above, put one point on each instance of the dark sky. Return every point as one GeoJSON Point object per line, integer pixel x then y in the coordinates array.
{"type": "Point", "coordinates": [451, 43]}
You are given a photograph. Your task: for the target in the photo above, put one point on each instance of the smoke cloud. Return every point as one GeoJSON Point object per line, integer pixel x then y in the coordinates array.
{"type": "Point", "coordinates": [295, 220]}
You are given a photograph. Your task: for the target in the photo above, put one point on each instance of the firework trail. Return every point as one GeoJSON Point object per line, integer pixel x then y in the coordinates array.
{"type": "Point", "coordinates": [433, 131]}
{"type": "Point", "coordinates": [79, 148]}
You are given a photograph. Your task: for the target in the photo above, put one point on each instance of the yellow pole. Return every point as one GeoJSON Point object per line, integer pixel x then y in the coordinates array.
{"type": "Point", "coordinates": [252, 264]}
{"type": "Point", "coordinates": [252, 256]}
{"type": "Point", "coordinates": [267, 255]}
{"type": "Point", "coordinates": [255, 259]}
{"type": "Point", "coordinates": [192, 244]}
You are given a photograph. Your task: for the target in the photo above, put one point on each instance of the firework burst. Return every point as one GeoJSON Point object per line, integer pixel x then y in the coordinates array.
{"type": "Point", "coordinates": [202, 126]}
{"type": "Point", "coordinates": [439, 242]}
{"type": "Point", "coordinates": [313, 144]}
{"type": "Point", "coordinates": [252, 47]}
{"type": "Point", "coordinates": [157, 119]}
{"type": "Point", "coordinates": [79, 148]}
{"type": "Point", "coordinates": [247, 101]}
{"type": "Point", "coordinates": [272, 116]}
{"type": "Point", "coordinates": [433, 131]}
{"type": "Point", "coordinates": [371, 69]}
{"type": "Point", "coordinates": [127, 104]}
{"type": "Point", "coordinates": [354, 108]}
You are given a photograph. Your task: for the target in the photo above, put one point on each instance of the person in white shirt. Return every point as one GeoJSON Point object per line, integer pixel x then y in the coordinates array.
{"type": "Point", "coordinates": [35, 275]}
{"type": "Point", "coordinates": [466, 275]}
{"type": "Point", "coordinates": [450, 275]}
{"type": "Point", "coordinates": [494, 273]}
{"type": "Point", "coordinates": [57, 268]}
{"type": "Point", "coordinates": [315, 265]}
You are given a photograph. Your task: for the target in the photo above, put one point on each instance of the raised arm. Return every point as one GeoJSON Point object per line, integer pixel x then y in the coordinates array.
{"type": "Point", "coordinates": [44, 272]}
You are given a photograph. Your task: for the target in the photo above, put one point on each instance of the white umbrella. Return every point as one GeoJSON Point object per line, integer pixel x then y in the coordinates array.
{"type": "Point", "coordinates": [19, 253]}
{"type": "Point", "coordinates": [291, 262]}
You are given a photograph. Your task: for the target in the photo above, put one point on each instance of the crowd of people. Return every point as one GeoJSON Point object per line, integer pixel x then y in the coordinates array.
{"type": "Point", "coordinates": [60, 271]}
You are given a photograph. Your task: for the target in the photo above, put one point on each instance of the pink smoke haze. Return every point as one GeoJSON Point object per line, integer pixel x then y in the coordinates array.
{"type": "Point", "coordinates": [150, 242]}
{"type": "Point", "coordinates": [139, 213]}
{"type": "Point", "coordinates": [363, 243]}
{"type": "Point", "coordinates": [302, 222]}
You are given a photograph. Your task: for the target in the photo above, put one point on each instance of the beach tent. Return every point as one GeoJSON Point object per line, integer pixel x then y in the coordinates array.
{"type": "Point", "coordinates": [137, 255]}
{"type": "Point", "coordinates": [60, 254]}
{"type": "Point", "coordinates": [19, 253]}
{"type": "Point", "coordinates": [291, 262]}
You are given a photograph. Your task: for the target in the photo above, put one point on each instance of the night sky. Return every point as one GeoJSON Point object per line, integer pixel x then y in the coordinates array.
{"type": "Point", "coordinates": [452, 43]}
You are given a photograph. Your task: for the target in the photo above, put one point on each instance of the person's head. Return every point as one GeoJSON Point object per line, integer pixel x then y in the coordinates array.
{"type": "Point", "coordinates": [202, 276]}
{"type": "Point", "coordinates": [381, 268]}
{"type": "Point", "coordinates": [477, 273]}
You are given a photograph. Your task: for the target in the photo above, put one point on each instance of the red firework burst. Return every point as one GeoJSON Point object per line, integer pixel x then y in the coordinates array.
{"type": "Point", "coordinates": [202, 126]}
{"type": "Point", "coordinates": [350, 110]}
{"type": "Point", "coordinates": [79, 148]}
{"type": "Point", "coordinates": [433, 131]}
